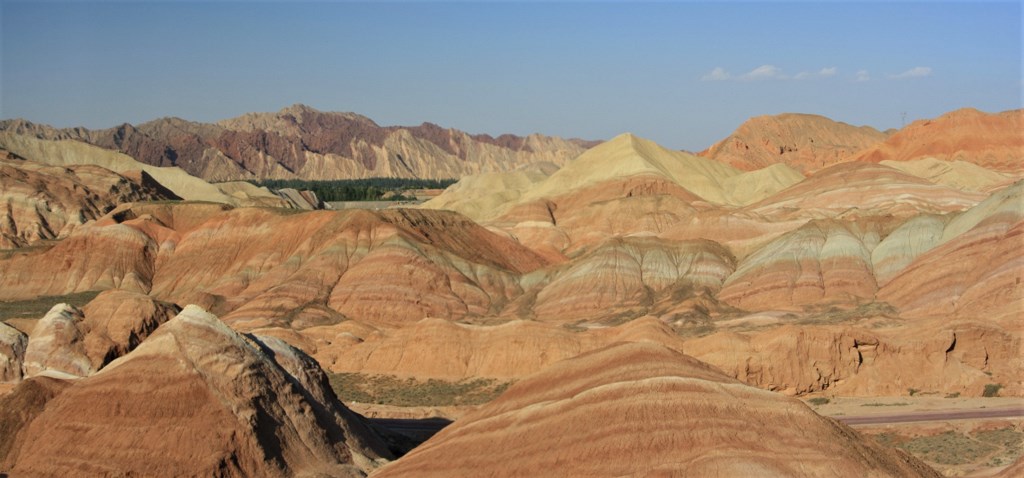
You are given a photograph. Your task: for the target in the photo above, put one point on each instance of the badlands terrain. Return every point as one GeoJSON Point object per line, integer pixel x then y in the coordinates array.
{"type": "Point", "coordinates": [766, 307]}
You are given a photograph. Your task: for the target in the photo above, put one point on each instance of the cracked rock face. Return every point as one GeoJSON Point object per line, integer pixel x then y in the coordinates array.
{"type": "Point", "coordinates": [12, 353]}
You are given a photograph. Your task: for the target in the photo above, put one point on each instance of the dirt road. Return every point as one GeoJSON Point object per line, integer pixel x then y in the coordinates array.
{"type": "Point", "coordinates": [929, 416]}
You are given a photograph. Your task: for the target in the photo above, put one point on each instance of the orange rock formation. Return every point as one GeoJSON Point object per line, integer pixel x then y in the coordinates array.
{"type": "Point", "coordinates": [642, 409]}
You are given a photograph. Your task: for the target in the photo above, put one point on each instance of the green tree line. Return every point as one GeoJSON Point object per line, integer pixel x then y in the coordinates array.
{"type": "Point", "coordinates": [372, 189]}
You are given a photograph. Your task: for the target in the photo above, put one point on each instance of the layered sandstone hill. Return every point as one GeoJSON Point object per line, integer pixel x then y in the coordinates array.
{"type": "Point", "coordinates": [68, 153]}
{"type": "Point", "coordinates": [958, 174]}
{"type": "Point", "coordinates": [847, 259]}
{"type": "Point", "coordinates": [263, 266]}
{"type": "Point", "coordinates": [631, 277]}
{"type": "Point", "coordinates": [863, 190]}
{"type": "Point", "coordinates": [301, 142]}
{"type": "Point", "coordinates": [71, 342]}
{"type": "Point", "coordinates": [627, 185]}
{"type": "Point", "coordinates": [215, 403]}
{"type": "Point", "coordinates": [507, 351]}
{"type": "Point", "coordinates": [41, 202]}
{"type": "Point", "coordinates": [974, 268]}
{"type": "Point", "coordinates": [324, 267]}
{"type": "Point", "coordinates": [804, 142]}
{"type": "Point", "coordinates": [642, 409]}
{"type": "Point", "coordinates": [823, 261]}
{"type": "Point", "coordinates": [993, 141]}
{"type": "Point", "coordinates": [626, 158]}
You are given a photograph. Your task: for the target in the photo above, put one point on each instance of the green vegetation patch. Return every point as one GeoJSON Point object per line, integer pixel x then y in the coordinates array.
{"type": "Point", "coordinates": [992, 390]}
{"type": "Point", "coordinates": [834, 315]}
{"type": "Point", "coordinates": [949, 448]}
{"type": "Point", "coordinates": [818, 401]}
{"type": "Point", "coordinates": [373, 189]}
{"type": "Point", "coordinates": [391, 390]}
{"type": "Point", "coordinates": [38, 307]}
{"type": "Point", "coordinates": [1011, 440]}
{"type": "Point", "coordinates": [1008, 437]}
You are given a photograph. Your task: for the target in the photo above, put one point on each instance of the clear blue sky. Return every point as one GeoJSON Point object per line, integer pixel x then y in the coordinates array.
{"type": "Point", "coordinates": [682, 74]}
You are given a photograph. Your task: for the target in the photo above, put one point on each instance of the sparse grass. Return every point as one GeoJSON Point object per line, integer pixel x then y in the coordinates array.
{"type": "Point", "coordinates": [992, 390]}
{"type": "Point", "coordinates": [817, 401]}
{"type": "Point", "coordinates": [391, 390]}
{"type": "Point", "coordinates": [991, 447]}
{"type": "Point", "coordinates": [37, 248]}
{"type": "Point", "coordinates": [1006, 437]}
{"type": "Point", "coordinates": [948, 448]}
{"type": "Point", "coordinates": [1010, 439]}
{"type": "Point", "coordinates": [880, 404]}
{"type": "Point", "coordinates": [953, 395]}
{"type": "Point", "coordinates": [834, 315]}
{"type": "Point", "coordinates": [698, 330]}
{"type": "Point", "coordinates": [38, 307]}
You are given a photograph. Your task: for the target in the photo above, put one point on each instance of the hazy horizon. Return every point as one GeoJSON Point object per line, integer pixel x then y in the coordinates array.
{"type": "Point", "coordinates": [682, 74]}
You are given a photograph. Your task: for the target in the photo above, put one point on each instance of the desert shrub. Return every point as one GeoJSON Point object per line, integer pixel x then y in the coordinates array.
{"type": "Point", "coordinates": [818, 401]}
{"type": "Point", "coordinates": [992, 390]}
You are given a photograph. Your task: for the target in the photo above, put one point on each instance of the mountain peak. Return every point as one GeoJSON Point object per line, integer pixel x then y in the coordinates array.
{"type": "Point", "coordinates": [298, 108]}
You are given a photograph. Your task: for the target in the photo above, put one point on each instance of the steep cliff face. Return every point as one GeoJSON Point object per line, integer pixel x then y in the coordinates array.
{"type": "Point", "coordinates": [935, 356]}
{"type": "Point", "coordinates": [301, 142]}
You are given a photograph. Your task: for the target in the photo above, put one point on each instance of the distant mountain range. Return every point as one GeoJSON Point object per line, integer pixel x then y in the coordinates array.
{"type": "Point", "coordinates": [302, 142]}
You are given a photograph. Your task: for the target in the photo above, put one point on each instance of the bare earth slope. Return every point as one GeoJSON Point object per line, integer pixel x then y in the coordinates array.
{"type": "Point", "coordinates": [804, 142]}
{"type": "Point", "coordinates": [993, 141]}
{"type": "Point", "coordinates": [641, 409]}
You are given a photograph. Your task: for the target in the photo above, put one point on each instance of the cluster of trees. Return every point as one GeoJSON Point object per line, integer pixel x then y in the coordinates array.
{"type": "Point", "coordinates": [372, 189]}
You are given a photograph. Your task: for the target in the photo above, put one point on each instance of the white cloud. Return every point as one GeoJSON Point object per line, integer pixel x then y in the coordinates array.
{"type": "Point", "coordinates": [915, 72]}
{"type": "Point", "coordinates": [863, 75]}
{"type": "Point", "coordinates": [718, 74]}
{"type": "Point", "coordinates": [768, 72]}
{"type": "Point", "coordinates": [764, 72]}
{"type": "Point", "coordinates": [822, 73]}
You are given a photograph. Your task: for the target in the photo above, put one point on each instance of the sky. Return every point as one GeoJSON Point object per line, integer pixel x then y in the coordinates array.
{"type": "Point", "coordinates": [684, 74]}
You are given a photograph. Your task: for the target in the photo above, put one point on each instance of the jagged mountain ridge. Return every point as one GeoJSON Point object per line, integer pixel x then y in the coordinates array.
{"type": "Point", "coordinates": [302, 142]}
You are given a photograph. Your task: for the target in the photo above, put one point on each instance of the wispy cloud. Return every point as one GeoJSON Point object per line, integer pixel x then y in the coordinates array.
{"type": "Point", "coordinates": [915, 72]}
{"type": "Point", "coordinates": [822, 73]}
{"type": "Point", "coordinates": [768, 72]}
{"type": "Point", "coordinates": [718, 74]}
{"type": "Point", "coordinates": [764, 72]}
{"type": "Point", "coordinates": [863, 75]}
